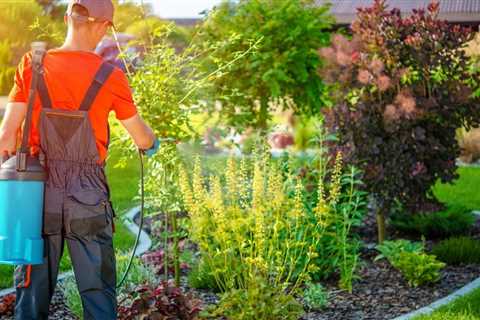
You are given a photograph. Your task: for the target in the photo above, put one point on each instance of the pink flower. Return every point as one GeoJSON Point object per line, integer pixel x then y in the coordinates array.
{"type": "Point", "coordinates": [364, 76]}
{"type": "Point", "coordinates": [383, 83]}
{"type": "Point", "coordinates": [406, 102]}
{"type": "Point", "coordinates": [328, 54]}
{"type": "Point", "coordinates": [391, 113]}
{"type": "Point", "coordinates": [343, 59]}
{"type": "Point", "coordinates": [377, 66]}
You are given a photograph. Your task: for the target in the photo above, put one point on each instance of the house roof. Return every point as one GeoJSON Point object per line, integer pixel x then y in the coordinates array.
{"type": "Point", "coordinates": [455, 11]}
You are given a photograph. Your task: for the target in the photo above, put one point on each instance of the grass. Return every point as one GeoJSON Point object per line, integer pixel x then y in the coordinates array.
{"type": "Point", "coordinates": [123, 184]}
{"type": "Point", "coordinates": [463, 191]}
{"type": "Point", "coordinates": [464, 308]}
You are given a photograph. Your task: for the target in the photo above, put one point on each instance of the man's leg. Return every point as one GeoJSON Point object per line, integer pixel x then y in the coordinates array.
{"type": "Point", "coordinates": [93, 260]}
{"type": "Point", "coordinates": [35, 284]}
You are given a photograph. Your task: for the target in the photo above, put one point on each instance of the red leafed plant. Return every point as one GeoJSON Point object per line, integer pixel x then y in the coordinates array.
{"type": "Point", "coordinates": [7, 305]}
{"type": "Point", "coordinates": [403, 90]}
{"type": "Point", "coordinates": [156, 260]}
{"type": "Point", "coordinates": [164, 302]}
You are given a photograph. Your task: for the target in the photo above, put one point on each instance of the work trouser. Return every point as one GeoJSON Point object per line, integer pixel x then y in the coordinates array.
{"type": "Point", "coordinates": [93, 263]}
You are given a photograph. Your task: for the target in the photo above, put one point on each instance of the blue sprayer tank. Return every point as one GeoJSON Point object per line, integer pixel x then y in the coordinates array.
{"type": "Point", "coordinates": [21, 212]}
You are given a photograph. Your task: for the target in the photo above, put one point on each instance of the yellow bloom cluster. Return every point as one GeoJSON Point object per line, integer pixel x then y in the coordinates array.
{"type": "Point", "coordinates": [243, 237]}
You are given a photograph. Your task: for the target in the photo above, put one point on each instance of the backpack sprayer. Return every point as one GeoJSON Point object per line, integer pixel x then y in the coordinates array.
{"type": "Point", "coordinates": [21, 220]}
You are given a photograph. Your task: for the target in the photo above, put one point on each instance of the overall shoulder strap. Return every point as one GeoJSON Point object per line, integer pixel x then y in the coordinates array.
{"type": "Point", "coordinates": [42, 89]}
{"type": "Point", "coordinates": [101, 77]}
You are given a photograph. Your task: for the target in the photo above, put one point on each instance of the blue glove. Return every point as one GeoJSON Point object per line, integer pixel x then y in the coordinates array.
{"type": "Point", "coordinates": [150, 152]}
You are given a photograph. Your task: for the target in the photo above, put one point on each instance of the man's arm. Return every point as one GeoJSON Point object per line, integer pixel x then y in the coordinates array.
{"type": "Point", "coordinates": [141, 133]}
{"type": "Point", "coordinates": [14, 116]}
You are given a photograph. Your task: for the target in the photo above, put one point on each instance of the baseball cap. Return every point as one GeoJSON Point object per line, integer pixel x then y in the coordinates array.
{"type": "Point", "coordinates": [98, 10]}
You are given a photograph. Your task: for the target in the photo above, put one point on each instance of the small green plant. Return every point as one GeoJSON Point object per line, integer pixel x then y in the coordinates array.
{"type": "Point", "coordinates": [418, 268]}
{"type": "Point", "coordinates": [390, 250]}
{"type": "Point", "coordinates": [260, 302]}
{"type": "Point", "coordinates": [450, 222]}
{"type": "Point", "coordinates": [200, 276]}
{"type": "Point", "coordinates": [459, 250]}
{"type": "Point", "coordinates": [315, 296]}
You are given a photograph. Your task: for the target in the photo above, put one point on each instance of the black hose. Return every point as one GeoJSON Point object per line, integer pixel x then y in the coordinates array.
{"type": "Point", "coordinates": [140, 226]}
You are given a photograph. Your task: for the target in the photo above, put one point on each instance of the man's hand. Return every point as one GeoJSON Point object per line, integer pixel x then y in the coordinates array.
{"type": "Point", "coordinates": [11, 124]}
{"type": "Point", "coordinates": [141, 133]}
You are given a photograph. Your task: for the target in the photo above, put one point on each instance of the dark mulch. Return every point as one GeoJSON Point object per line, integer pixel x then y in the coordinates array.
{"type": "Point", "coordinates": [382, 293]}
{"type": "Point", "coordinates": [58, 309]}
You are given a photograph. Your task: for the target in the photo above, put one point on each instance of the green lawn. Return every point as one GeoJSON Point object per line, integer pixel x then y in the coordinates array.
{"type": "Point", "coordinates": [465, 308]}
{"type": "Point", "coordinates": [464, 191]}
{"type": "Point", "coordinates": [123, 184]}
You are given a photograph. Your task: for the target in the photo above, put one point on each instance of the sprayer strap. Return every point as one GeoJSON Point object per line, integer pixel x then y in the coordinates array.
{"type": "Point", "coordinates": [101, 77]}
{"type": "Point", "coordinates": [43, 93]}
{"type": "Point", "coordinates": [37, 69]}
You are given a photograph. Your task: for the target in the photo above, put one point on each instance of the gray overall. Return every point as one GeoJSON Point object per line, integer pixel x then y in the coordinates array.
{"type": "Point", "coordinates": [77, 209]}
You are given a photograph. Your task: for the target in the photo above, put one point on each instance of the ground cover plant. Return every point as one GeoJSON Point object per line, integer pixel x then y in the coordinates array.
{"type": "Point", "coordinates": [403, 90]}
{"type": "Point", "coordinates": [410, 259]}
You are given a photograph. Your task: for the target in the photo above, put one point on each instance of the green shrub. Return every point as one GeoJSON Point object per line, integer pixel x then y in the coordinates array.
{"type": "Point", "coordinates": [315, 296]}
{"type": "Point", "coordinates": [260, 301]}
{"type": "Point", "coordinates": [450, 222]}
{"type": "Point", "coordinates": [390, 250]}
{"type": "Point", "coordinates": [460, 250]}
{"type": "Point", "coordinates": [418, 268]}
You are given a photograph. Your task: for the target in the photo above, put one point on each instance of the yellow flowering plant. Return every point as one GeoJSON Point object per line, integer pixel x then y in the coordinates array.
{"type": "Point", "coordinates": [249, 225]}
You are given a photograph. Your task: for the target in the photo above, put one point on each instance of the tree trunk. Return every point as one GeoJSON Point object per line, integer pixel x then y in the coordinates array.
{"type": "Point", "coordinates": [381, 228]}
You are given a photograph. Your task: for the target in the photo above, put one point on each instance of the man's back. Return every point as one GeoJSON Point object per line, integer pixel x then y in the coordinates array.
{"type": "Point", "coordinates": [68, 75]}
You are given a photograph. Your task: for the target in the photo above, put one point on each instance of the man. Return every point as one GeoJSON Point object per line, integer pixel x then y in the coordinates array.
{"type": "Point", "coordinates": [70, 130]}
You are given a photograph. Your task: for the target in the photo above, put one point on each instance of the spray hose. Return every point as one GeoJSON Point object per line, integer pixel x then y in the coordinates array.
{"type": "Point", "coordinates": [140, 225]}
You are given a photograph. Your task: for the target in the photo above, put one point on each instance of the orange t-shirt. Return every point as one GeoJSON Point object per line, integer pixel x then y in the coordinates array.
{"type": "Point", "coordinates": [68, 75]}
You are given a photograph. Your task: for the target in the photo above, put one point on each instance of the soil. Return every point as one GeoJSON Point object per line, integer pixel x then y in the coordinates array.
{"type": "Point", "coordinates": [382, 293]}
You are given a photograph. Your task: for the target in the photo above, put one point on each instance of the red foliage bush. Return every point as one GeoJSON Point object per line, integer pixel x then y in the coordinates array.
{"type": "Point", "coordinates": [403, 90]}
{"type": "Point", "coordinates": [164, 302]}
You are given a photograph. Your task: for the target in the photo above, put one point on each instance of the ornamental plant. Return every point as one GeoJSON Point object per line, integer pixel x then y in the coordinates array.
{"type": "Point", "coordinates": [403, 88]}
{"type": "Point", "coordinates": [286, 34]}
{"type": "Point", "coordinates": [250, 224]}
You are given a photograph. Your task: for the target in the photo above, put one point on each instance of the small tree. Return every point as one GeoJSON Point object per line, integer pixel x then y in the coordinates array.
{"type": "Point", "coordinates": [403, 91]}
{"type": "Point", "coordinates": [285, 62]}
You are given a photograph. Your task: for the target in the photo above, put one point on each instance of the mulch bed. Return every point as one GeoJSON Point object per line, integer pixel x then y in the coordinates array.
{"type": "Point", "coordinates": [382, 293]}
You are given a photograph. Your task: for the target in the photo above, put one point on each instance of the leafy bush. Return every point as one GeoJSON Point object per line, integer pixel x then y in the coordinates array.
{"type": "Point", "coordinates": [391, 250]}
{"type": "Point", "coordinates": [403, 90]}
{"type": "Point", "coordinates": [164, 301]}
{"type": "Point", "coordinates": [456, 251]}
{"type": "Point", "coordinates": [286, 34]}
{"type": "Point", "coordinates": [260, 302]}
{"type": "Point", "coordinates": [315, 296]}
{"type": "Point", "coordinates": [409, 258]}
{"type": "Point", "coordinates": [418, 268]}
{"type": "Point", "coordinates": [450, 222]}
